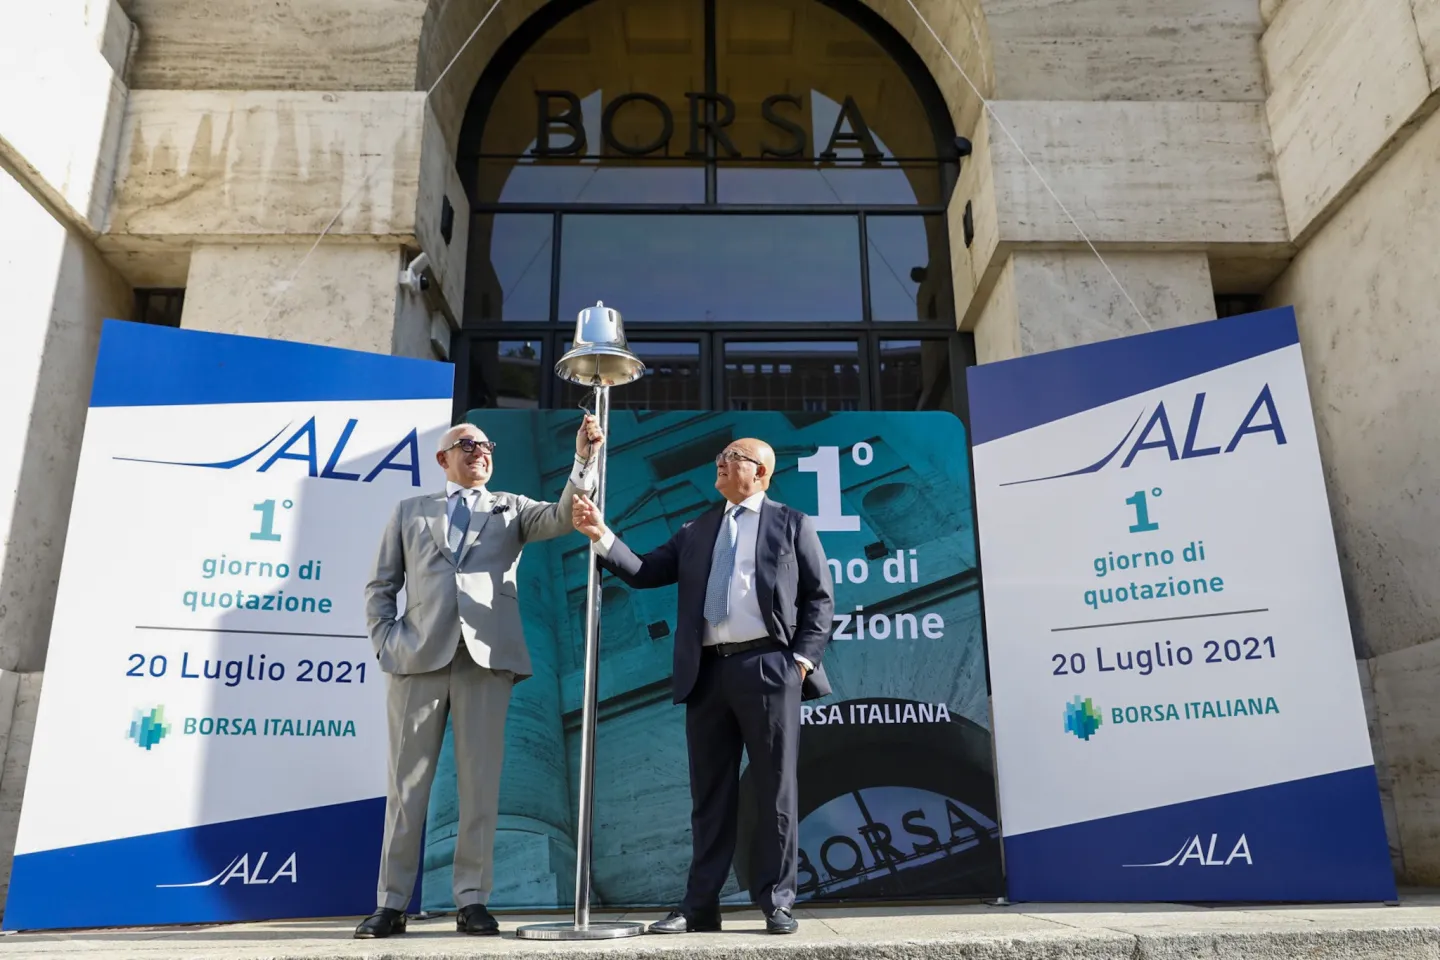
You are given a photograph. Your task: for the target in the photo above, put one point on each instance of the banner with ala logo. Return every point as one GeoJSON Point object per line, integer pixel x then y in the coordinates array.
{"type": "Point", "coordinates": [211, 736]}
{"type": "Point", "coordinates": [1177, 710]}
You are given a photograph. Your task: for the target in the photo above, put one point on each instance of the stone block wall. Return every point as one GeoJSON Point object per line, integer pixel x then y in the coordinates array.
{"type": "Point", "coordinates": [1364, 289]}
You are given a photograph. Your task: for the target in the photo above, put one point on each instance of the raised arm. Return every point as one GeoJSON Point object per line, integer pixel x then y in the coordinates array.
{"type": "Point", "coordinates": [540, 520]}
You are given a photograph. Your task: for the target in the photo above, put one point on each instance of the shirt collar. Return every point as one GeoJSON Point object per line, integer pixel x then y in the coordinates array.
{"type": "Point", "coordinates": [452, 488]}
{"type": "Point", "coordinates": [751, 503]}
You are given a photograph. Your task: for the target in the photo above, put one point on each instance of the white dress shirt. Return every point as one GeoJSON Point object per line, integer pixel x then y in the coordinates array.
{"type": "Point", "coordinates": [744, 621]}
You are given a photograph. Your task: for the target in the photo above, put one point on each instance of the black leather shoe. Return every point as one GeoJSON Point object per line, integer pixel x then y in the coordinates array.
{"type": "Point", "coordinates": [476, 920]}
{"type": "Point", "coordinates": [381, 923]}
{"type": "Point", "coordinates": [781, 922]}
{"type": "Point", "coordinates": [703, 921]}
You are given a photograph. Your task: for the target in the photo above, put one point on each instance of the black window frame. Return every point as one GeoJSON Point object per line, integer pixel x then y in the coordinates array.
{"type": "Point", "coordinates": [868, 333]}
{"type": "Point", "coordinates": [160, 306]}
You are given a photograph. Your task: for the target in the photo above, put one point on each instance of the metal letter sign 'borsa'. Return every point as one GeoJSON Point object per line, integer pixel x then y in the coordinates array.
{"type": "Point", "coordinates": [710, 114]}
{"type": "Point", "coordinates": [599, 359]}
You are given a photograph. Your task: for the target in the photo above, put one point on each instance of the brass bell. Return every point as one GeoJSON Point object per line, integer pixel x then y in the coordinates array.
{"type": "Point", "coordinates": [599, 356]}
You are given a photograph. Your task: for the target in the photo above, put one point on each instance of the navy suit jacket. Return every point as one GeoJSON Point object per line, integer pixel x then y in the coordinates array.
{"type": "Point", "coordinates": [797, 598]}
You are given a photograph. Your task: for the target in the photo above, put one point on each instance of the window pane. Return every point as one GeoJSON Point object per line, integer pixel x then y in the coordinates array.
{"type": "Point", "coordinates": [915, 375]}
{"type": "Point", "coordinates": [818, 184]}
{"type": "Point", "coordinates": [671, 381]}
{"type": "Point", "coordinates": [809, 85]}
{"type": "Point", "coordinates": [161, 307]}
{"type": "Point", "coordinates": [712, 269]}
{"type": "Point", "coordinates": [813, 376]}
{"type": "Point", "coordinates": [605, 85]}
{"type": "Point", "coordinates": [909, 268]}
{"type": "Point", "coordinates": [505, 374]}
{"type": "Point", "coordinates": [509, 276]}
{"type": "Point", "coordinates": [592, 181]}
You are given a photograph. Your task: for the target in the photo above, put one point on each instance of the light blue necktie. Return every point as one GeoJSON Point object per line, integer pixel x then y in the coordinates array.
{"type": "Point", "coordinates": [722, 565]}
{"type": "Point", "coordinates": [459, 525]}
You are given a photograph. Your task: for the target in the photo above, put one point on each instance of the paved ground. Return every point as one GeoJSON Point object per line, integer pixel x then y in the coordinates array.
{"type": "Point", "coordinates": [1042, 932]}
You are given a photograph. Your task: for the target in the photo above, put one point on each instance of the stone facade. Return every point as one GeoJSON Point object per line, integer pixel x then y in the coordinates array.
{"type": "Point", "coordinates": [1283, 149]}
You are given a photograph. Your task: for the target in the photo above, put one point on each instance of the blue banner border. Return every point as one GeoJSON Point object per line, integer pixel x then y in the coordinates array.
{"type": "Point", "coordinates": [142, 365]}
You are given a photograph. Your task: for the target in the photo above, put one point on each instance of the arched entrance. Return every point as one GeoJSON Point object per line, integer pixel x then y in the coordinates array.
{"type": "Point", "coordinates": [759, 186]}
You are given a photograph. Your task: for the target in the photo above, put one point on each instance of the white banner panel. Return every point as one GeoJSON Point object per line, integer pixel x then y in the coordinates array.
{"type": "Point", "coordinates": [1177, 708]}
{"type": "Point", "coordinates": [211, 739]}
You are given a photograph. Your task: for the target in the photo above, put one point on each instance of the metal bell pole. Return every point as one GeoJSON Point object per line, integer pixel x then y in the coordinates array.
{"type": "Point", "coordinates": [599, 358]}
{"type": "Point", "coordinates": [592, 683]}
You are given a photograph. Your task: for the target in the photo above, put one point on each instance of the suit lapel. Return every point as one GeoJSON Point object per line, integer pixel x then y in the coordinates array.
{"type": "Point", "coordinates": [478, 518]}
{"type": "Point", "coordinates": [435, 520]}
{"type": "Point", "coordinates": [767, 548]}
{"type": "Point", "coordinates": [707, 528]}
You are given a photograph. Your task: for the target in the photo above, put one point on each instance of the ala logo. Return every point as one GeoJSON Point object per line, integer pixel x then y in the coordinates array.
{"type": "Point", "coordinates": [239, 869]}
{"type": "Point", "coordinates": [304, 445]}
{"type": "Point", "coordinates": [1194, 851]}
{"type": "Point", "coordinates": [1158, 435]}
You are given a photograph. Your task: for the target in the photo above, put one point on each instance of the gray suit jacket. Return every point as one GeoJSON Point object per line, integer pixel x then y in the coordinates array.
{"type": "Point", "coordinates": [475, 600]}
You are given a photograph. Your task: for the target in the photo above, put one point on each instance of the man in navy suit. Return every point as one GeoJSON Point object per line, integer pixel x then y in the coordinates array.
{"type": "Point", "coordinates": [755, 612]}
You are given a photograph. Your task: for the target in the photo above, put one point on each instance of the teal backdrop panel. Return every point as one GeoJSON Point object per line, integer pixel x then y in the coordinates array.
{"type": "Point", "coordinates": [897, 789]}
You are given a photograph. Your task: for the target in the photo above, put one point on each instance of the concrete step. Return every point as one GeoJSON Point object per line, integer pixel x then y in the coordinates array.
{"type": "Point", "coordinates": [972, 932]}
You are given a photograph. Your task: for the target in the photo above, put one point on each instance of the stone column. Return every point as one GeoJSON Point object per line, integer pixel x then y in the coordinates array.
{"type": "Point", "coordinates": [1050, 299]}
{"type": "Point", "coordinates": [58, 292]}
{"type": "Point", "coordinates": [225, 193]}
{"type": "Point", "coordinates": [345, 295]}
{"type": "Point", "coordinates": [60, 60]}
{"type": "Point", "coordinates": [1364, 292]}
{"type": "Point", "coordinates": [1356, 153]}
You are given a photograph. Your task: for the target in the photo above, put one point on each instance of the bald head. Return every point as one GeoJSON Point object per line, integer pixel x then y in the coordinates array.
{"type": "Point", "coordinates": [448, 438]}
{"type": "Point", "coordinates": [744, 468]}
{"type": "Point", "coordinates": [761, 451]}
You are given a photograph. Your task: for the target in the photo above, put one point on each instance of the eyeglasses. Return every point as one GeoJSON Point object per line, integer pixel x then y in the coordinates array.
{"type": "Point", "coordinates": [469, 445]}
{"type": "Point", "coordinates": [732, 456]}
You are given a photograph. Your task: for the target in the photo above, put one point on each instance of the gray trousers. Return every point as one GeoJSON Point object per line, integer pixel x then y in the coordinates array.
{"type": "Point", "coordinates": [476, 701]}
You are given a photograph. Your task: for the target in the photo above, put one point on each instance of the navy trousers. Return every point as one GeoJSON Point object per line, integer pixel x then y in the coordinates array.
{"type": "Point", "coordinates": [748, 701]}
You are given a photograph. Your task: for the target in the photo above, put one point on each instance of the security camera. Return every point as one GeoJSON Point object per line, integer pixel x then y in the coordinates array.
{"type": "Point", "coordinates": [413, 277]}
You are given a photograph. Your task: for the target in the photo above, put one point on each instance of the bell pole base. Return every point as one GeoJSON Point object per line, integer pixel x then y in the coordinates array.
{"type": "Point", "coordinates": [567, 930]}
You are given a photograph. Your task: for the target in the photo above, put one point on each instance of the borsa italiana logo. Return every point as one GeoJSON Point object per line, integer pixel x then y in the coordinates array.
{"type": "Point", "coordinates": [1082, 718]}
{"type": "Point", "coordinates": [149, 727]}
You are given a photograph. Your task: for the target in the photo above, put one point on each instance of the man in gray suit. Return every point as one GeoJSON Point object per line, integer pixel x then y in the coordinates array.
{"type": "Point", "coordinates": [457, 650]}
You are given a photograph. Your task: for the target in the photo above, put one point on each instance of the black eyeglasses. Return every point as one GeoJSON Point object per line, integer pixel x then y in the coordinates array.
{"type": "Point", "coordinates": [469, 445]}
{"type": "Point", "coordinates": [731, 456]}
